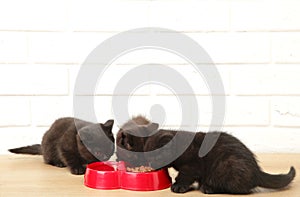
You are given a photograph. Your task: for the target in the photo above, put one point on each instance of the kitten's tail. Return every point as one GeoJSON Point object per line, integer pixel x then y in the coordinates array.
{"type": "Point", "coordinates": [276, 181]}
{"type": "Point", "coordinates": [31, 150]}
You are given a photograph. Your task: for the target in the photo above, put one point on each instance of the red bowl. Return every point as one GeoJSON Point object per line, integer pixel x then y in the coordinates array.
{"type": "Point", "coordinates": [113, 175]}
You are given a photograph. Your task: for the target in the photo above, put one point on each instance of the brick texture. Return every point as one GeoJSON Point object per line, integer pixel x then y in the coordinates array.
{"type": "Point", "coordinates": [253, 44]}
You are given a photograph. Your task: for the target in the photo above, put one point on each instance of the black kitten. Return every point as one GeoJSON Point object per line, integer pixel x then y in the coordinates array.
{"type": "Point", "coordinates": [73, 143]}
{"type": "Point", "coordinates": [131, 139]}
{"type": "Point", "coordinates": [230, 167]}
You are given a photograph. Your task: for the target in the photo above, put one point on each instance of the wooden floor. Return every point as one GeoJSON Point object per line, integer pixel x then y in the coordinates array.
{"type": "Point", "coordinates": [28, 176]}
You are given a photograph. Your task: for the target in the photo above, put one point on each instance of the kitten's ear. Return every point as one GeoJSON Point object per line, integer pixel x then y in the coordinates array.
{"type": "Point", "coordinates": [109, 124]}
{"type": "Point", "coordinates": [130, 126]}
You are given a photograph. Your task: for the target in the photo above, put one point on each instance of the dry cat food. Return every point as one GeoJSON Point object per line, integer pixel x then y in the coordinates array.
{"type": "Point", "coordinates": [140, 169]}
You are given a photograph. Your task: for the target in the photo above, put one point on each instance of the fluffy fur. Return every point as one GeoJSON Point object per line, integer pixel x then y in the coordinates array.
{"type": "Point", "coordinates": [73, 143]}
{"type": "Point", "coordinates": [131, 137]}
{"type": "Point", "coordinates": [230, 167]}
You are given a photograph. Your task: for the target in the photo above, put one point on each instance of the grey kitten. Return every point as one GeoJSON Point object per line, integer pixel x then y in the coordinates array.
{"type": "Point", "coordinates": [73, 143]}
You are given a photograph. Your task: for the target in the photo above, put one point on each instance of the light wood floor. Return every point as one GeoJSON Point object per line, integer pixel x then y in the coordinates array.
{"type": "Point", "coordinates": [22, 175]}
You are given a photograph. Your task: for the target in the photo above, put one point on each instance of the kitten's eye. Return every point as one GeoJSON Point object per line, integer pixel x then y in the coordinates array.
{"type": "Point", "coordinates": [97, 150]}
{"type": "Point", "coordinates": [83, 141]}
{"type": "Point", "coordinates": [97, 153]}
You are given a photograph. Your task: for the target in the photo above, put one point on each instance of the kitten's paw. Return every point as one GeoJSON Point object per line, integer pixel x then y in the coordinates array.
{"type": "Point", "coordinates": [78, 170]}
{"type": "Point", "coordinates": [206, 189]}
{"type": "Point", "coordinates": [180, 188]}
{"type": "Point", "coordinates": [60, 165]}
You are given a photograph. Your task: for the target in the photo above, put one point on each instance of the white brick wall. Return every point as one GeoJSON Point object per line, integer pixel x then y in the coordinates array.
{"type": "Point", "coordinates": [46, 109]}
{"type": "Point", "coordinates": [268, 79]}
{"type": "Point", "coordinates": [34, 15]}
{"type": "Point", "coordinates": [255, 45]}
{"type": "Point", "coordinates": [226, 47]}
{"type": "Point", "coordinates": [240, 111]}
{"type": "Point", "coordinates": [286, 47]}
{"type": "Point", "coordinates": [33, 80]}
{"type": "Point", "coordinates": [265, 15]}
{"type": "Point", "coordinates": [15, 111]}
{"type": "Point", "coordinates": [188, 16]}
{"type": "Point", "coordinates": [285, 111]}
{"type": "Point", "coordinates": [13, 47]}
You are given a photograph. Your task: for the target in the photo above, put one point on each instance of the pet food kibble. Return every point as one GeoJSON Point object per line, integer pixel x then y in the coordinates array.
{"type": "Point", "coordinates": [140, 169]}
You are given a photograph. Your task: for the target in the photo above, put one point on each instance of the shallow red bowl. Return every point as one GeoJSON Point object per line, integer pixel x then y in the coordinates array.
{"type": "Point", "coordinates": [113, 175]}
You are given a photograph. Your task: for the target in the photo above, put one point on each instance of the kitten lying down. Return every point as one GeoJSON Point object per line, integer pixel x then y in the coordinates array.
{"type": "Point", "coordinates": [229, 167]}
{"type": "Point", "coordinates": [73, 143]}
